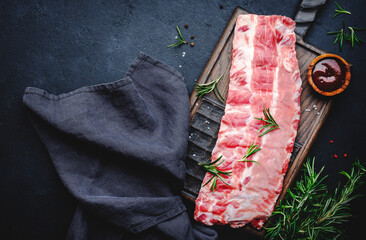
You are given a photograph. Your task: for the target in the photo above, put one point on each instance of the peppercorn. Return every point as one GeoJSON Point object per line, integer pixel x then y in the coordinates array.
{"type": "Point", "coordinates": [192, 36]}
{"type": "Point", "coordinates": [186, 25]}
{"type": "Point", "coordinates": [221, 7]}
{"type": "Point", "coordinates": [192, 44]}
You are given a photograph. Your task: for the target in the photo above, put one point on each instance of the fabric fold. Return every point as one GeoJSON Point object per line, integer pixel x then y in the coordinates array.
{"type": "Point", "coordinates": [119, 148]}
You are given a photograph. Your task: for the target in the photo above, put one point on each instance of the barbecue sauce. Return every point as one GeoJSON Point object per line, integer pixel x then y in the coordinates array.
{"type": "Point", "coordinates": [329, 74]}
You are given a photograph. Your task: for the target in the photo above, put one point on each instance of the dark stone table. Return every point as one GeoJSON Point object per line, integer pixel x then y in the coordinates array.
{"type": "Point", "coordinates": [63, 45]}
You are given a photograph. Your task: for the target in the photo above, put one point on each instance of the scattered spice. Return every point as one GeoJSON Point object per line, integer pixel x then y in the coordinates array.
{"type": "Point", "coordinates": [192, 44]}
{"type": "Point", "coordinates": [186, 25]}
{"type": "Point", "coordinates": [192, 36]}
{"type": "Point", "coordinates": [335, 156]}
{"type": "Point", "coordinates": [331, 141]}
{"type": "Point", "coordinates": [221, 6]}
{"type": "Point", "coordinates": [345, 155]}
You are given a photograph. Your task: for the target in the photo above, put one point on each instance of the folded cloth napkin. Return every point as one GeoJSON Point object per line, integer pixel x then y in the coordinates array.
{"type": "Point", "coordinates": [119, 148]}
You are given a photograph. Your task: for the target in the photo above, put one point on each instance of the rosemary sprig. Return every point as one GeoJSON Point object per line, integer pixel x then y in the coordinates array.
{"type": "Point", "coordinates": [309, 211]}
{"type": "Point", "coordinates": [340, 10]}
{"type": "Point", "coordinates": [351, 38]}
{"type": "Point", "coordinates": [340, 36]}
{"type": "Point", "coordinates": [180, 40]}
{"type": "Point", "coordinates": [251, 150]}
{"type": "Point", "coordinates": [271, 123]}
{"type": "Point", "coordinates": [211, 167]}
{"type": "Point", "coordinates": [206, 88]}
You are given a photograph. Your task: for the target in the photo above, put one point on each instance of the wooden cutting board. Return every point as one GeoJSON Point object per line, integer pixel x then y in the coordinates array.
{"type": "Point", "coordinates": [206, 113]}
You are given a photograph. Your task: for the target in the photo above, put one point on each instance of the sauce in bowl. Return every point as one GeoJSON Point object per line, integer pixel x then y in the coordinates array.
{"type": "Point", "coordinates": [329, 74]}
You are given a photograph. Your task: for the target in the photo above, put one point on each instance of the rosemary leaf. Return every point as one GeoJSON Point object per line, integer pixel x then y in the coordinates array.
{"type": "Point", "coordinates": [180, 35]}
{"type": "Point", "coordinates": [208, 181]}
{"type": "Point", "coordinates": [267, 131]}
{"type": "Point", "coordinates": [252, 161]}
{"type": "Point", "coordinates": [213, 186]}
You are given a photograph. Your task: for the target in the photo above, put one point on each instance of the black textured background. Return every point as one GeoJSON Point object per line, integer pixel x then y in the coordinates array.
{"type": "Point", "coordinates": [63, 45]}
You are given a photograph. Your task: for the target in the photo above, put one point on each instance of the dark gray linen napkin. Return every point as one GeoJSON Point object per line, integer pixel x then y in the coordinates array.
{"type": "Point", "coordinates": [119, 148]}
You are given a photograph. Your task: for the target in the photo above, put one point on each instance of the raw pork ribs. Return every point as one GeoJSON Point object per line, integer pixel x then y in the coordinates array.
{"type": "Point", "coordinates": [264, 70]}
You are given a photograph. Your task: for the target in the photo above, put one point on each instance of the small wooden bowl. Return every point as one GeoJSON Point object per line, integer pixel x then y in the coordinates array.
{"type": "Point", "coordinates": [347, 75]}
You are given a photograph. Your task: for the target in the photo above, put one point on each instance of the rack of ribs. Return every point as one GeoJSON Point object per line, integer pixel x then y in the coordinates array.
{"type": "Point", "coordinates": [264, 72]}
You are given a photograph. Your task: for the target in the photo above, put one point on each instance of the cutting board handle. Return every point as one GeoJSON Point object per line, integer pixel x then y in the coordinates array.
{"type": "Point", "coordinates": [306, 15]}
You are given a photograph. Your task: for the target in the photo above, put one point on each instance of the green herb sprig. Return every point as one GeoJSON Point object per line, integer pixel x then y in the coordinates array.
{"type": "Point", "coordinates": [251, 150]}
{"type": "Point", "coordinates": [353, 38]}
{"type": "Point", "coordinates": [340, 10]}
{"type": "Point", "coordinates": [180, 40]}
{"type": "Point", "coordinates": [342, 36]}
{"type": "Point", "coordinates": [211, 167]}
{"type": "Point", "coordinates": [308, 211]}
{"type": "Point", "coordinates": [271, 123]}
{"type": "Point", "coordinates": [206, 88]}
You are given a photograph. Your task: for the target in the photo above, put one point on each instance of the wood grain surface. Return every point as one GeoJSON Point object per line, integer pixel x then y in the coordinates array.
{"type": "Point", "coordinates": [206, 113]}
